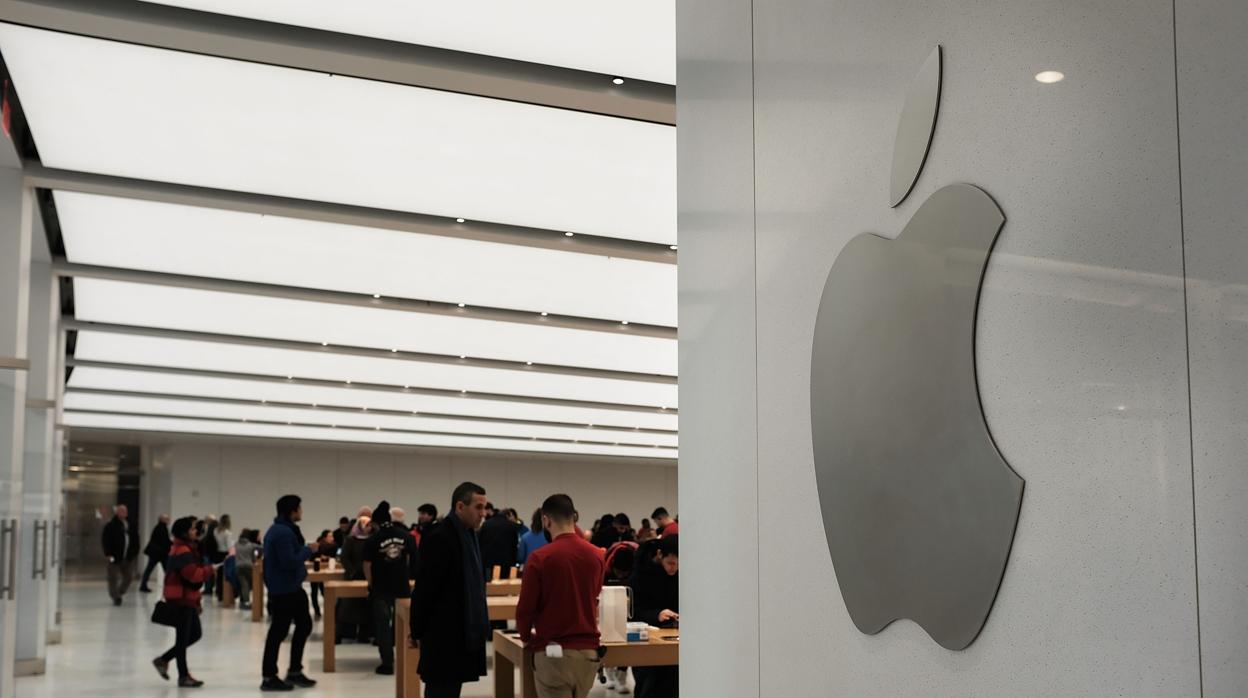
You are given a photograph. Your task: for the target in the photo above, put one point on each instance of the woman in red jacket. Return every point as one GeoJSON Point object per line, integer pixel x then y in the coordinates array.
{"type": "Point", "coordinates": [185, 574]}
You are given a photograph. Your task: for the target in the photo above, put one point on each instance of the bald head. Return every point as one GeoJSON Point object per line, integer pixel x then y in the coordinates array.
{"type": "Point", "coordinates": [397, 515]}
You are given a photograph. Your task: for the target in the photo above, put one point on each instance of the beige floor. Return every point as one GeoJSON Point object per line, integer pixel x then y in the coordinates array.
{"type": "Point", "coordinates": [107, 653]}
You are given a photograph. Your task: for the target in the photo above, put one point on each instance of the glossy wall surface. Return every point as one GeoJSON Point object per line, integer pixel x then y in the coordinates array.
{"type": "Point", "coordinates": [1082, 333]}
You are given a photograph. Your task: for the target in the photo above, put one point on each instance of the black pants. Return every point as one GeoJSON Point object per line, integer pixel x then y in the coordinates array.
{"type": "Point", "coordinates": [383, 627]}
{"type": "Point", "coordinates": [285, 609]}
{"type": "Point", "coordinates": [152, 561]}
{"type": "Point", "coordinates": [657, 681]}
{"type": "Point", "coordinates": [317, 590]}
{"type": "Point", "coordinates": [443, 690]}
{"type": "Point", "coordinates": [188, 633]}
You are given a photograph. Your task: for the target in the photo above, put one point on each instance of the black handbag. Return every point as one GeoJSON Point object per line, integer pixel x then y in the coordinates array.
{"type": "Point", "coordinates": [165, 613]}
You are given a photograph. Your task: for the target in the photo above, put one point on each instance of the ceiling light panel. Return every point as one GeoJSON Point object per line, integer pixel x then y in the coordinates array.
{"type": "Point", "coordinates": [135, 111]}
{"type": "Point", "coordinates": [199, 426]}
{"type": "Point", "coordinates": [128, 404]}
{"type": "Point", "coordinates": [144, 305]}
{"type": "Point", "coordinates": [179, 239]}
{"type": "Point", "coordinates": [239, 358]}
{"type": "Point", "coordinates": [155, 382]}
{"type": "Point", "coordinates": [634, 39]}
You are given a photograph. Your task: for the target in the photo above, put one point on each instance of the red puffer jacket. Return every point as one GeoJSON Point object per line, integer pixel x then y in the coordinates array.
{"type": "Point", "coordinates": [185, 574]}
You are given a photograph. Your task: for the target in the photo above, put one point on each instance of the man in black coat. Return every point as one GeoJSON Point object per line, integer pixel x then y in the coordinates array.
{"type": "Point", "coordinates": [157, 550]}
{"type": "Point", "coordinates": [656, 600]}
{"type": "Point", "coordinates": [121, 547]}
{"type": "Point", "coordinates": [500, 543]}
{"type": "Point", "coordinates": [450, 619]}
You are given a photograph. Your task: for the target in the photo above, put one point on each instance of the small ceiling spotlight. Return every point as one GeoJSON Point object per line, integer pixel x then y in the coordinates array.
{"type": "Point", "coordinates": [1048, 77]}
{"type": "Point", "coordinates": [672, 248]}
{"type": "Point", "coordinates": [617, 81]}
{"type": "Point", "coordinates": [461, 305]}
{"type": "Point", "coordinates": [376, 295]}
{"type": "Point", "coordinates": [462, 356]}
{"type": "Point", "coordinates": [568, 234]}
{"type": "Point", "coordinates": [324, 344]}
{"type": "Point", "coordinates": [348, 382]}
{"type": "Point", "coordinates": [528, 363]}
{"type": "Point", "coordinates": [462, 392]}
{"type": "Point", "coordinates": [394, 351]}
{"type": "Point", "coordinates": [624, 322]}
{"type": "Point", "coordinates": [544, 313]}
{"type": "Point", "coordinates": [459, 220]}
{"type": "Point", "coordinates": [290, 378]}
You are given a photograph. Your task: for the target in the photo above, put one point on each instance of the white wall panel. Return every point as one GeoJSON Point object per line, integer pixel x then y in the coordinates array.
{"type": "Point", "coordinates": [312, 474]}
{"type": "Point", "coordinates": [249, 477]}
{"type": "Point", "coordinates": [196, 480]}
{"type": "Point", "coordinates": [423, 478]}
{"type": "Point", "coordinates": [1212, 103]}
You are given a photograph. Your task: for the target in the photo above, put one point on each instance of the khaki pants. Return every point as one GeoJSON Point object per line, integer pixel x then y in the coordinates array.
{"type": "Point", "coordinates": [569, 676]}
{"type": "Point", "coordinates": [119, 576]}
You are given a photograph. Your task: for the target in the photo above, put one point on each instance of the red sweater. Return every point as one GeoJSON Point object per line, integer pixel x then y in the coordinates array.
{"type": "Point", "coordinates": [185, 574]}
{"type": "Point", "coordinates": [559, 594]}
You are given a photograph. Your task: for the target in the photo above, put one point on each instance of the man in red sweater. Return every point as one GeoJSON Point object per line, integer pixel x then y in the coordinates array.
{"type": "Point", "coordinates": [558, 610]}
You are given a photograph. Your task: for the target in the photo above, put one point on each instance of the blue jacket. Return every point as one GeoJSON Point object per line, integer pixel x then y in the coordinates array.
{"type": "Point", "coordinates": [530, 542]}
{"type": "Point", "coordinates": [284, 555]}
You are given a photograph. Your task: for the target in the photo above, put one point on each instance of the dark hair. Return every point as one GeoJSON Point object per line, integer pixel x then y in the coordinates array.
{"type": "Point", "coordinates": [343, 520]}
{"type": "Point", "coordinates": [489, 505]}
{"type": "Point", "coordinates": [465, 492]}
{"type": "Point", "coordinates": [537, 519]}
{"type": "Point", "coordinates": [182, 526]}
{"type": "Point", "coordinates": [429, 509]}
{"type": "Point", "coordinates": [622, 520]}
{"type": "Point", "coordinates": [323, 534]}
{"type": "Point", "coordinates": [559, 508]}
{"type": "Point", "coordinates": [669, 545]}
{"type": "Point", "coordinates": [645, 524]}
{"type": "Point", "coordinates": [661, 511]}
{"type": "Point", "coordinates": [225, 521]}
{"type": "Point", "coordinates": [623, 559]}
{"type": "Point", "coordinates": [287, 504]}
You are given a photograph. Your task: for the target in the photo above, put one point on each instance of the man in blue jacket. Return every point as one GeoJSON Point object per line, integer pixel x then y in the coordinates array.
{"type": "Point", "coordinates": [284, 554]}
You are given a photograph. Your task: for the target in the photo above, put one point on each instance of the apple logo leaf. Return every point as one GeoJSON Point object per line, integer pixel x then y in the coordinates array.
{"type": "Point", "coordinates": [915, 129]}
{"type": "Point", "coordinates": [919, 506]}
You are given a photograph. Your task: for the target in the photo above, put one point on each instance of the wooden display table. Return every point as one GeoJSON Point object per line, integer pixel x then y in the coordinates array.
{"type": "Point", "coordinates": [329, 625]}
{"type": "Point", "coordinates": [663, 649]}
{"type": "Point", "coordinates": [406, 657]}
{"type": "Point", "coordinates": [323, 576]}
{"type": "Point", "coordinates": [503, 587]}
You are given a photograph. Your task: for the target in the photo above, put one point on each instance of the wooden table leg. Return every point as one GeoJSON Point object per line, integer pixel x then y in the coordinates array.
{"type": "Point", "coordinates": [227, 592]}
{"type": "Point", "coordinates": [407, 659]}
{"type": "Point", "coordinates": [329, 630]}
{"type": "Point", "coordinates": [504, 676]}
{"type": "Point", "coordinates": [528, 687]}
{"type": "Point", "coordinates": [257, 592]}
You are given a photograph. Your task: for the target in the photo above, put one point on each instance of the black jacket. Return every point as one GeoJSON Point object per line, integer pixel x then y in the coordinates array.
{"type": "Point", "coordinates": [500, 543]}
{"type": "Point", "coordinates": [120, 540]}
{"type": "Point", "coordinates": [159, 543]}
{"type": "Point", "coordinates": [438, 611]}
{"type": "Point", "coordinates": [653, 590]}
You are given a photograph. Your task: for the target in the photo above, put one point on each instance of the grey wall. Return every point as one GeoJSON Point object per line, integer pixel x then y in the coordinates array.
{"type": "Point", "coordinates": [1082, 347]}
{"type": "Point", "coordinates": [245, 479]}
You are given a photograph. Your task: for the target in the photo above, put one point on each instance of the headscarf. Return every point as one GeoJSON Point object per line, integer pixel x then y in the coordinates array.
{"type": "Point", "coordinates": [360, 530]}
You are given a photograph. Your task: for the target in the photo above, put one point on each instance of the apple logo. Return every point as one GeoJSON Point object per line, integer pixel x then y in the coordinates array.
{"type": "Point", "coordinates": [919, 507]}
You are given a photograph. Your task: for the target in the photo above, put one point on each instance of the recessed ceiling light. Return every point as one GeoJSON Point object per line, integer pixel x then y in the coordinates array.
{"type": "Point", "coordinates": [324, 344]}
{"type": "Point", "coordinates": [263, 402]}
{"type": "Point", "coordinates": [461, 305]}
{"type": "Point", "coordinates": [528, 363]}
{"type": "Point", "coordinates": [376, 295]}
{"type": "Point", "coordinates": [544, 313]}
{"type": "Point", "coordinates": [462, 356]}
{"type": "Point", "coordinates": [406, 387]}
{"type": "Point", "coordinates": [1049, 77]}
{"type": "Point", "coordinates": [415, 412]}
{"type": "Point", "coordinates": [463, 391]}
{"type": "Point", "coordinates": [568, 234]}
{"type": "Point", "coordinates": [617, 81]}
{"type": "Point", "coordinates": [663, 408]}
{"type": "Point", "coordinates": [672, 247]}
{"type": "Point", "coordinates": [394, 351]}
{"type": "Point", "coordinates": [377, 428]}
{"type": "Point", "coordinates": [459, 220]}
{"type": "Point", "coordinates": [363, 409]}
{"type": "Point", "coordinates": [314, 404]}
{"type": "Point", "coordinates": [624, 322]}
{"type": "Point", "coordinates": [348, 382]}
{"type": "Point", "coordinates": [290, 378]}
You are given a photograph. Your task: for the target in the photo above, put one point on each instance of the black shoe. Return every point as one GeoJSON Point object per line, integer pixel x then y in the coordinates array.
{"type": "Point", "coordinates": [189, 682]}
{"type": "Point", "coordinates": [272, 683]}
{"type": "Point", "coordinates": [162, 668]}
{"type": "Point", "coordinates": [298, 680]}
{"type": "Point", "coordinates": [385, 670]}
{"type": "Point", "coordinates": [117, 601]}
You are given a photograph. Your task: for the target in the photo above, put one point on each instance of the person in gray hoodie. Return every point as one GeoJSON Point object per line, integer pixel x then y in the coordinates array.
{"type": "Point", "coordinates": [245, 552]}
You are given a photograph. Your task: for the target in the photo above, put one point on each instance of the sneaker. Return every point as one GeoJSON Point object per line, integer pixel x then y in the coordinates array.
{"type": "Point", "coordinates": [189, 682]}
{"type": "Point", "coordinates": [162, 668]}
{"type": "Point", "coordinates": [611, 683]}
{"type": "Point", "coordinates": [272, 683]}
{"type": "Point", "coordinates": [385, 670]}
{"type": "Point", "coordinates": [298, 680]}
{"type": "Point", "coordinates": [621, 680]}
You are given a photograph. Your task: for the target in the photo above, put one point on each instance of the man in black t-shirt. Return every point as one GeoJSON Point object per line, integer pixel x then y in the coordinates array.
{"type": "Point", "coordinates": [388, 560]}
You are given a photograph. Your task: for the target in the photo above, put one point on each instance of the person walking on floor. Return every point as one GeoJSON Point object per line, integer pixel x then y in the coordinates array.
{"type": "Point", "coordinates": [245, 551]}
{"type": "Point", "coordinates": [450, 620]}
{"type": "Point", "coordinates": [121, 547]}
{"type": "Point", "coordinates": [284, 554]}
{"type": "Point", "coordinates": [557, 614]}
{"type": "Point", "coordinates": [185, 574]}
{"type": "Point", "coordinates": [388, 557]}
{"type": "Point", "coordinates": [157, 550]}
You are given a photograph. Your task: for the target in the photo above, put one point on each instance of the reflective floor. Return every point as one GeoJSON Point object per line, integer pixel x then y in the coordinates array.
{"type": "Point", "coordinates": [107, 652]}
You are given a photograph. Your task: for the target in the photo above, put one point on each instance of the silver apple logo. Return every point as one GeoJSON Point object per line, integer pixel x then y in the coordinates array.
{"type": "Point", "coordinates": [919, 507]}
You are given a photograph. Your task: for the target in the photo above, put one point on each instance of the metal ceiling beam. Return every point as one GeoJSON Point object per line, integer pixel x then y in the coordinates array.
{"type": "Point", "coordinates": [257, 41]}
{"type": "Point", "coordinates": [41, 177]}
{"type": "Point", "coordinates": [69, 323]}
{"type": "Point", "coordinates": [65, 269]}
{"type": "Point", "coordinates": [372, 387]}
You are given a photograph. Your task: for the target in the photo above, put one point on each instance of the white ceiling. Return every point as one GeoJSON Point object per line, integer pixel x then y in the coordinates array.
{"type": "Point", "coordinates": [135, 111]}
{"type": "Point", "coordinates": [580, 369]}
{"type": "Point", "coordinates": [632, 39]}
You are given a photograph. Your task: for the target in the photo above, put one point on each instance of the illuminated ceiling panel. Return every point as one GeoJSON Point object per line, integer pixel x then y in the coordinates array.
{"type": "Point", "coordinates": [237, 358]}
{"type": "Point", "coordinates": [144, 305]}
{"type": "Point", "coordinates": [632, 39]}
{"type": "Point", "coordinates": [273, 414]}
{"type": "Point", "coordinates": [135, 111]}
{"type": "Point", "coordinates": [178, 239]}
{"type": "Point", "coordinates": [161, 383]}
{"type": "Point", "coordinates": [200, 426]}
